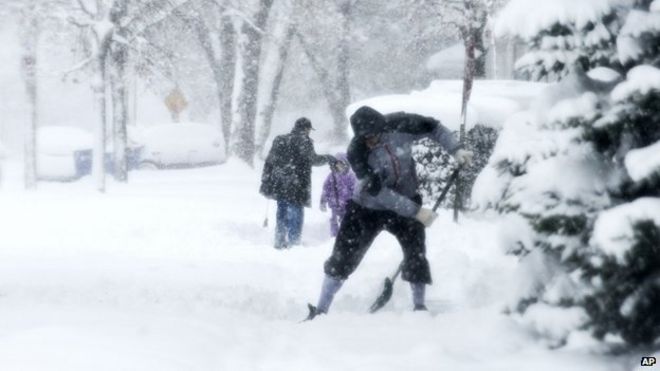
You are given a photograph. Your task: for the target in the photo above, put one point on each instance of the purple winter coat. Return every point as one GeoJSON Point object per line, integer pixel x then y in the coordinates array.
{"type": "Point", "coordinates": [338, 187]}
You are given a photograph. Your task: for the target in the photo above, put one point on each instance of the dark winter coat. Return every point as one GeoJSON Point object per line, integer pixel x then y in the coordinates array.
{"type": "Point", "coordinates": [388, 180]}
{"type": "Point", "coordinates": [287, 173]}
{"type": "Point", "coordinates": [338, 187]}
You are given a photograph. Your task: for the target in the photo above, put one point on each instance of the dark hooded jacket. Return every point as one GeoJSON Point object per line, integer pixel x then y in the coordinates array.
{"type": "Point", "coordinates": [388, 180]}
{"type": "Point", "coordinates": [287, 173]}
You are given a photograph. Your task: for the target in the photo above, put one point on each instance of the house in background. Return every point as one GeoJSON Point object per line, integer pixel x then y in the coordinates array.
{"type": "Point", "coordinates": [448, 64]}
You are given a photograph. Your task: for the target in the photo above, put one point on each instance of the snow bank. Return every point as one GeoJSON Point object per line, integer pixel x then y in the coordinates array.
{"type": "Point", "coordinates": [526, 18]}
{"type": "Point", "coordinates": [613, 232]}
{"type": "Point", "coordinates": [444, 107]}
{"type": "Point", "coordinates": [491, 102]}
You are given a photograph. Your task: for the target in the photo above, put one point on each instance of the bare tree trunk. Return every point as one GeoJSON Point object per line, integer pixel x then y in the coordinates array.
{"type": "Point", "coordinates": [269, 107]}
{"type": "Point", "coordinates": [98, 161]}
{"type": "Point", "coordinates": [29, 66]}
{"type": "Point", "coordinates": [119, 112]}
{"type": "Point", "coordinates": [343, 73]}
{"type": "Point", "coordinates": [119, 53]}
{"type": "Point", "coordinates": [222, 60]}
{"type": "Point", "coordinates": [226, 78]}
{"type": "Point", "coordinates": [335, 106]}
{"type": "Point", "coordinates": [244, 146]}
{"type": "Point", "coordinates": [480, 52]}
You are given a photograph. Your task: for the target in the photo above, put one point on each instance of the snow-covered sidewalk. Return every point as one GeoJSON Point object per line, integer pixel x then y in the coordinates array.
{"type": "Point", "coordinates": [174, 271]}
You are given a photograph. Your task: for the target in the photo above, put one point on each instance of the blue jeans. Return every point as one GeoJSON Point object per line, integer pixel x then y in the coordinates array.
{"type": "Point", "coordinates": [289, 224]}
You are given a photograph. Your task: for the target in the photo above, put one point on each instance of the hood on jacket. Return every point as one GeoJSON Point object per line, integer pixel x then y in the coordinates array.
{"type": "Point", "coordinates": [367, 120]}
{"type": "Point", "coordinates": [341, 157]}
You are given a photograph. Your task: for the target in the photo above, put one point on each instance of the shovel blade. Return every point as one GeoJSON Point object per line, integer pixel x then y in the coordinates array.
{"type": "Point", "coordinates": [383, 298]}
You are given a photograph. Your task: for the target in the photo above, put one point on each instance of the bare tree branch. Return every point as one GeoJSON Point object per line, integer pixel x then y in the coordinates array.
{"type": "Point", "coordinates": [85, 8]}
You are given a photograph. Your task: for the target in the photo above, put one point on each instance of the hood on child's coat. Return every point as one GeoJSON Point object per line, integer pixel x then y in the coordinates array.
{"type": "Point", "coordinates": [342, 158]}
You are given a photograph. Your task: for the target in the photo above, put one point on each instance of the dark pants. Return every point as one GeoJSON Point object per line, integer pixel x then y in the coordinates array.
{"type": "Point", "coordinates": [289, 224]}
{"type": "Point", "coordinates": [358, 230]}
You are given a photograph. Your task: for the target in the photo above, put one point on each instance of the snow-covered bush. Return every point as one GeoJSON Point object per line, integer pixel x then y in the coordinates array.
{"type": "Point", "coordinates": [582, 169]}
{"type": "Point", "coordinates": [434, 166]}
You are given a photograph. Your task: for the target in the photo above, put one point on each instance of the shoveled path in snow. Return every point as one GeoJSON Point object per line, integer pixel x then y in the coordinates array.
{"type": "Point", "coordinates": [174, 271]}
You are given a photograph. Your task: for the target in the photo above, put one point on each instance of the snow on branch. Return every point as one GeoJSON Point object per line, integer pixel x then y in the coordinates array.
{"type": "Point", "coordinates": [614, 228]}
{"type": "Point", "coordinates": [640, 80]}
{"type": "Point", "coordinates": [526, 18]}
{"type": "Point", "coordinates": [644, 162]}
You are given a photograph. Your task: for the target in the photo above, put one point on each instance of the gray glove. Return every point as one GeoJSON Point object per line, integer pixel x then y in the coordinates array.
{"type": "Point", "coordinates": [426, 216]}
{"type": "Point", "coordinates": [463, 157]}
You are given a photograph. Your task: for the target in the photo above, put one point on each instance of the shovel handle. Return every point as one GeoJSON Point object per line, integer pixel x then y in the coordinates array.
{"type": "Point", "coordinates": [450, 181]}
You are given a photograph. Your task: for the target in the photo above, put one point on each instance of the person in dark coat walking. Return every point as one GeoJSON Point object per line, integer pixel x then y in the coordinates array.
{"type": "Point", "coordinates": [380, 154]}
{"type": "Point", "coordinates": [287, 178]}
{"type": "Point", "coordinates": [338, 189]}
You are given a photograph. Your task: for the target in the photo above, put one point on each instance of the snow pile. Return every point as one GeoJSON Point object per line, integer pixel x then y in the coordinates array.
{"type": "Point", "coordinates": [444, 107]}
{"type": "Point", "coordinates": [614, 233]}
{"type": "Point", "coordinates": [491, 102]}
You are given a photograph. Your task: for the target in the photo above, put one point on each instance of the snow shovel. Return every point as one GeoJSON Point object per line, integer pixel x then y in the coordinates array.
{"type": "Point", "coordinates": [385, 296]}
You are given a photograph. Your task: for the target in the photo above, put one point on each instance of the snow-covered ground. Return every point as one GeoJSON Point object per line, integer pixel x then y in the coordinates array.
{"type": "Point", "coordinates": [175, 271]}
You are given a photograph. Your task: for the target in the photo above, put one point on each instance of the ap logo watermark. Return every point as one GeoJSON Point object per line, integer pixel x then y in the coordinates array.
{"type": "Point", "coordinates": [648, 361]}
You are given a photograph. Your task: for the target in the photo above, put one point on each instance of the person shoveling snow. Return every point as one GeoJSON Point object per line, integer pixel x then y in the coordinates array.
{"type": "Point", "coordinates": [380, 154]}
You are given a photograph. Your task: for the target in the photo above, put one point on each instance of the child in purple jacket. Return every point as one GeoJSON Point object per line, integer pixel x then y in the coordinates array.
{"type": "Point", "coordinates": [337, 191]}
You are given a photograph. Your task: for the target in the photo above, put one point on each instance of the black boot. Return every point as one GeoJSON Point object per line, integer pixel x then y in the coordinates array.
{"type": "Point", "coordinates": [313, 312]}
{"type": "Point", "coordinates": [420, 307]}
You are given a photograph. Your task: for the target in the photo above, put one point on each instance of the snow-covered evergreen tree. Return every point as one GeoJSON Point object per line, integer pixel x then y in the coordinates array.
{"type": "Point", "coordinates": [626, 237]}
{"type": "Point", "coordinates": [560, 33]}
{"type": "Point", "coordinates": [577, 178]}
